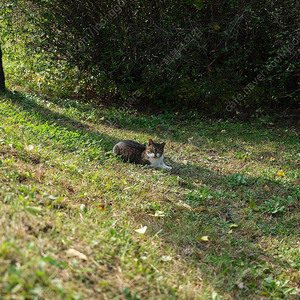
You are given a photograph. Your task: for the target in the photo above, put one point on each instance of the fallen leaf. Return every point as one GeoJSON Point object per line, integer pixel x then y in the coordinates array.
{"type": "Point", "coordinates": [141, 230]}
{"type": "Point", "coordinates": [240, 285]}
{"type": "Point", "coordinates": [70, 188]}
{"type": "Point", "coordinates": [166, 258]}
{"type": "Point", "coordinates": [74, 253]}
{"type": "Point", "coordinates": [29, 148]}
{"type": "Point", "coordinates": [233, 225]}
{"type": "Point", "coordinates": [199, 4]}
{"type": "Point", "coordinates": [38, 174]}
{"type": "Point", "coordinates": [253, 205]}
{"type": "Point", "coordinates": [158, 213]}
{"type": "Point", "coordinates": [230, 231]}
{"type": "Point", "coordinates": [203, 238]}
{"type": "Point", "coordinates": [266, 188]}
{"type": "Point", "coordinates": [280, 173]}
{"type": "Point", "coordinates": [183, 204]}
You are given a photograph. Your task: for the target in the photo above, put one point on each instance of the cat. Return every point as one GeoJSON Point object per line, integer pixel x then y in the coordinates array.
{"type": "Point", "coordinates": [152, 155]}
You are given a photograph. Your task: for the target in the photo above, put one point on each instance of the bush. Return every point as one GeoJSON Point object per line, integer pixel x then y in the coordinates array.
{"type": "Point", "coordinates": [177, 53]}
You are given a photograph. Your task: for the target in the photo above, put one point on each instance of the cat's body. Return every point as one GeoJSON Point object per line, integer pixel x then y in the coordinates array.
{"type": "Point", "coordinates": [152, 155]}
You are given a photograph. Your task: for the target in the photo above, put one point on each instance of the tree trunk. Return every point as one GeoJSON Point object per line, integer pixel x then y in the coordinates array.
{"type": "Point", "coordinates": [2, 78]}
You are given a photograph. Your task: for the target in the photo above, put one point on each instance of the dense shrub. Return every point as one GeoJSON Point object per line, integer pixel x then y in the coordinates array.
{"type": "Point", "coordinates": [178, 53]}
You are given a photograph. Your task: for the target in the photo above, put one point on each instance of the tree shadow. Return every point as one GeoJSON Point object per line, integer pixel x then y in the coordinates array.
{"type": "Point", "coordinates": [30, 105]}
{"type": "Point", "coordinates": [230, 254]}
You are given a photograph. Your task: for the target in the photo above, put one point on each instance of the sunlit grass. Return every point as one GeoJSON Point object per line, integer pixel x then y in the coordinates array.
{"type": "Point", "coordinates": [223, 224]}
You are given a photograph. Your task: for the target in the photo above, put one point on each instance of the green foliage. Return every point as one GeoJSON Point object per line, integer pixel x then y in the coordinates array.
{"type": "Point", "coordinates": [111, 49]}
{"type": "Point", "coordinates": [237, 179]}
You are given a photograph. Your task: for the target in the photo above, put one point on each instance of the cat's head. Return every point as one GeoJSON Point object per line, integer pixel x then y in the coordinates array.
{"type": "Point", "coordinates": [155, 150]}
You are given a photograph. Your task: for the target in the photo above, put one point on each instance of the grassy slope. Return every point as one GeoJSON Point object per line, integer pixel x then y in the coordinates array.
{"type": "Point", "coordinates": [60, 192]}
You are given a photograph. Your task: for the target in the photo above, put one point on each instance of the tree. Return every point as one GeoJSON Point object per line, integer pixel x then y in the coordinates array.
{"type": "Point", "coordinates": [2, 78]}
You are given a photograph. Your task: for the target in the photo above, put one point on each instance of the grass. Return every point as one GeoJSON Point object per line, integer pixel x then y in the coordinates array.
{"type": "Point", "coordinates": [223, 224]}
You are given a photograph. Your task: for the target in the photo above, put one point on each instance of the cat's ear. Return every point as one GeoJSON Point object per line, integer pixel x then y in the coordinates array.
{"type": "Point", "coordinates": [163, 144]}
{"type": "Point", "coordinates": [150, 142]}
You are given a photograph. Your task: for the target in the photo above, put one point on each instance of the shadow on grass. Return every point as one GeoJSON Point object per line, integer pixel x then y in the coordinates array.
{"type": "Point", "coordinates": [171, 127]}
{"type": "Point", "coordinates": [237, 257]}
{"type": "Point", "coordinates": [30, 105]}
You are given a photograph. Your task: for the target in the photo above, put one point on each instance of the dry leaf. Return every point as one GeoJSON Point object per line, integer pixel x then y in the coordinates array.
{"type": "Point", "coordinates": [240, 285]}
{"type": "Point", "coordinates": [70, 188]}
{"type": "Point", "coordinates": [203, 238]}
{"type": "Point", "coordinates": [166, 258]}
{"type": "Point", "coordinates": [75, 253]}
{"type": "Point", "coordinates": [38, 174]}
{"type": "Point", "coordinates": [183, 204]}
{"type": "Point", "coordinates": [267, 188]}
{"type": "Point", "coordinates": [230, 231]}
{"type": "Point", "coordinates": [141, 230]}
{"type": "Point", "coordinates": [29, 148]}
{"type": "Point", "coordinates": [233, 225]}
{"type": "Point", "coordinates": [158, 213]}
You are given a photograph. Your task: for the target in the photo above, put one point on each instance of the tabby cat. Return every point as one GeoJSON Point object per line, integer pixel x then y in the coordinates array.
{"type": "Point", "coordinates": [152, 155]}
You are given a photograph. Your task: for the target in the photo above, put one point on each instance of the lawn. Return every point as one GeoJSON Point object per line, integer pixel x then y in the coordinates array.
{"type": "Point", "coordinates": [77, 223]}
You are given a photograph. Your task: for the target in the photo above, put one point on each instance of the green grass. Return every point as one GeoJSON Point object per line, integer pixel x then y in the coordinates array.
{"type": "Point", "coordinates": [59, 191]}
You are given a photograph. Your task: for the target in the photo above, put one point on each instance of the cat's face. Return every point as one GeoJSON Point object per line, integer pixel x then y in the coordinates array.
{"type": "Point", "coordinates": [155, 150]}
